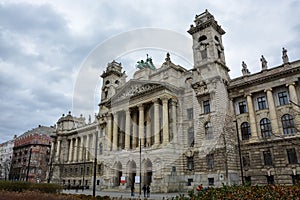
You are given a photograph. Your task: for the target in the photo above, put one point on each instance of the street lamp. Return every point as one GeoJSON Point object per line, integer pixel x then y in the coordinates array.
{"type": "Point", "coordinates": [239, 149]}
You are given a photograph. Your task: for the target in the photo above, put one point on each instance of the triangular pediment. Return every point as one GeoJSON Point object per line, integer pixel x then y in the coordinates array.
{"type": "Point", "coordinates": [135, 88]}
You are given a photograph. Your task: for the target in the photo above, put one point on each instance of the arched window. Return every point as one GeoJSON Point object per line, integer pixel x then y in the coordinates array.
{"type": "Point", "coordinates": [288, 124]}
{"type": "Point", "coordinates": [202, 38]}
{"type": "Point", "coordinates": [265, 127]}
{"type": "Point", "coordinates": [208, 131]}
{"type": "Point", "coordinates": [246, 131]}
{"type": "Point", "coordinates": [191, 137]}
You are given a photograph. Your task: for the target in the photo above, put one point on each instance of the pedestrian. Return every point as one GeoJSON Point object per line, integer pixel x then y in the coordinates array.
{"type": "Point", "coordinates": [144, 189]}
{"type": "Point", "coordinates": [148, 190]}
{"type": "Point", "coordinates": [132, 190]}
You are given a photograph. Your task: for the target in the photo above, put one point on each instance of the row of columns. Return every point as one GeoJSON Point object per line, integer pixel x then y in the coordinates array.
{"type": "Point", "coordinates": [272, 108]}
{"type": "Point", "coordinates": [135, 128]}
{"type": "Point", "coordinates": [79, 148]}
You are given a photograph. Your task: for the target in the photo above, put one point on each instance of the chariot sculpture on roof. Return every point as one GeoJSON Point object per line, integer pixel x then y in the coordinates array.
{"type": "Point", "coordinates": [145, 64]}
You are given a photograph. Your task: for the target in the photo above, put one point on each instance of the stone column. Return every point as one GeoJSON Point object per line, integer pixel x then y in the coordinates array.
{"type": "Point", "coordinates": [81, 149]}
{"type": "Point", "coordinates": [115, 132]}
{"type": "Point", "coordinates": [252, 117]}
{"type": "Point", "coordinates": [156, 122]}
{"type": "Point", "coordinates": [134, 130]}
{"type": "Point", "coordinates": [174, 119]}
{"type": "Point", "coordinates": [292, 91]}
{"type": "Point", "coordinates": [165, 121]}
{"type": "Point", "coordinates": [148, 128]}
{"type": "Point", "coordinates": [70, 150]}
{"type": "Point", "coordinates": [58, 150]}
{"type": "Point", "coordinates": [87, 148]}
{"type": "Point", "coordinates": [75, 159]}
{"type": "Point", "coordinates": [127, 130]}
{"type": "Point", "coordinates": [109, 132]}
{"type": "Point", "coordinates": [141, 124]}
{"type": "Point", "coordinates": [272, 110]}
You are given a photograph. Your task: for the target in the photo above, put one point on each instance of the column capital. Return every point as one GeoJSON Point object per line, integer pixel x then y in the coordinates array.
{"type": "Point", "coordinates": [140, 106]}
{"type": "Point", "coordinates": [155, 100]}
{"type": "Point", "coordinates": [247, 94]}
{"type": "Point", "coordinates": [291, 83]}
{"type": "Point", "coordinates": [164, 99]}
{"type": "Point", "coordinates": [174, 101]}
{"type": "Point", "coordinates": [268, 90]}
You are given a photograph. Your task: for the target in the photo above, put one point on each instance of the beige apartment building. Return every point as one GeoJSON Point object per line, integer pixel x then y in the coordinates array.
{"type": "Point", "coordinates": [174, 128]}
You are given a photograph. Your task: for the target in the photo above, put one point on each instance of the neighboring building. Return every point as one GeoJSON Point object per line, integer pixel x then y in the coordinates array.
{"type": "Point", "coordinates": [184, 122]}
{"type": "Point", "coordinates": [6, 152]}
{"type": "Point", "coordinates": [31, 155]}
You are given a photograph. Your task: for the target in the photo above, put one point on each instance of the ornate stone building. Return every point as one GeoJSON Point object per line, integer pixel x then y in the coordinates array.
{"type": "Point", "coordinates": [6, 152]}
{"type": "Point", "coordinates": [174, 128]}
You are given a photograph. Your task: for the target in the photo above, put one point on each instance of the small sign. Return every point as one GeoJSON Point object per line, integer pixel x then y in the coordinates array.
{"type": "Point", "coordinates": [123, 179]}
{"type": "Point", "coordinates": [137, 179]}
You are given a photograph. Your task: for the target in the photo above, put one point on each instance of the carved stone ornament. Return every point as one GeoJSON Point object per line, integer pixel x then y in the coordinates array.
{"type": "Point", "coordinates": [136, 89]}
{"type": "Point", "coordinates": [200, 88]}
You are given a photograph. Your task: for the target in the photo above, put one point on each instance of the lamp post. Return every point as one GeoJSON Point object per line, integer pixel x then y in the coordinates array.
{"type": "Point", "coordinates": [30, 151]}
{"type": "Point", "coordinates": [95, 165]}
{"type": "Point", "coordinates": [239, 149]}
{"type": "Point", "coordinates": [140, 188]}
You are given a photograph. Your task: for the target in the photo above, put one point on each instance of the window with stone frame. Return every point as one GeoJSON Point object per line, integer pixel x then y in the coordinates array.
{"type": "Point", "coordinates": [191, 139]}
{"type": "Point", "coordinates": [100, 148]}
{"type": "Point", "coordinates": [246, 160]}
{"type": "Point", "coordinates": [267, 158]}
{"type": "Point", "coordinates": [210, 161]}
{"type": "Point", "coordinates": [242, 107]}
{"type": "Point", "coordinates": [265, 128]}
{"type": "Point", "coordinates": [292, 156]}
{"type": "Point", "coordinates": [283, 98]}
{"type": "Point", "coordinates": [261, 102]}
{"type": "Point", "coordinates": [190, 163]}
{"type": "Point", "coordinates": [71, 171]}
{"type": "Point", "coordinates": [206, 107]}
{"type": "Point", "coordinates": [87, 170]}
{"type": "Point", "coordinates": [246, 131]}
{"type": "Point", "coordinates": [208, 131]}
{"type": "Point", "coordinates": [288, 124]}
{"type": "Point", "coordinates": [190, 113]}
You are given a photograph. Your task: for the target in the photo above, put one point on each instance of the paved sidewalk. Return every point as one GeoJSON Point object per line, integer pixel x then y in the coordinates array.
{"type": "Point", "coordinates": [123, 194]}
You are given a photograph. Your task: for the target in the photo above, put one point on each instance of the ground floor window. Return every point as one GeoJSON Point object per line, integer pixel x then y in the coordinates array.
{"type": "Point", "coordinates": [296, 179]}
{"type": "Point", "coordinates": [211, 181]}
{"type": "Point", "coordinates": [270, 179]}
{"type": "Point", "coordinates": [247, 180]}
{"type": "Point", "coordinates": [189, 183]}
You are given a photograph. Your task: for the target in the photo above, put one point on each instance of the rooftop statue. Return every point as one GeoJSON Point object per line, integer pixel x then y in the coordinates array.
{"type": "Point", "coordinates": [148, 64]}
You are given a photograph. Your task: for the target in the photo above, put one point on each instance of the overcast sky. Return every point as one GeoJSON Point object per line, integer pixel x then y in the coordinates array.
{"type": "Point", "coordinates": [44, 45]}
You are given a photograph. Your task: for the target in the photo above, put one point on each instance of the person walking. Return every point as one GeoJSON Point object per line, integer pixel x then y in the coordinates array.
{"type": "Point", "coordinates": [132, 190]}
{"type": "Point", "coordinates": [148, 191]}
{"type": "Point", "coordinates": [144, 189]}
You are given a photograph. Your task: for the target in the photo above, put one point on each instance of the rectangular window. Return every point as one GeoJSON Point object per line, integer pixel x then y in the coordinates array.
{"type": "Point", "coordinates": [210, 161]}
{"type": "Point", "coordinates": [87, 170]}
{"type": "Point", "coordinates": [206, 107]}
{"type": "Point", "coordinates": [189, 183]}
{"type": "Point", "coordinates": [190, 163]}
{"type": "Point", "coordinates": [99, 169]}
{"type": "Point", "coordinates": [292, 156]}
{"type": "Point", "coordinates": [270, 179]}
{"type": "Point", "coordinates": [190, 114]}
{"type": "Point", "coordinates": [242, 107]}
{"type": "Point", "coordinates": [262, 104]}
{"type": "Point", "coordinates": [283, 98]}
{"type": "Point", "coordinates": [267, 158]}
{"type": "Point", "coordinates": [211, 181]}
{"type": "Point", "coordinates": [248, 180]}
{"type": "Point", "coordinates": [296, 179]}
{"type": "Point", "coordinates": [81, 171]}
{"type": "Point", "coordinates": [203, 54]}
{"type": "Point", "coordinates": [246, 160]}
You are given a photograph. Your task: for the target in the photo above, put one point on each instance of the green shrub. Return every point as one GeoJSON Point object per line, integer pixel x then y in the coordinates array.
{"type": "Point", "coordinates": [19, 186]}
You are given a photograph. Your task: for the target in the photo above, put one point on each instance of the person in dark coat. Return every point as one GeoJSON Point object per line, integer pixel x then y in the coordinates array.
{"type": "Point", "coordinates": [132, 190]}
{"type": "Point", "coordinates": [144, 189]}
{"type": "Point", "coordinates": [148, 190]}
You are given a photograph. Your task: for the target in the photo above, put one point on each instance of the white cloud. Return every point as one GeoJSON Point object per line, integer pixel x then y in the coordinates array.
{"type": "Point", "coordinates": [42, 50]}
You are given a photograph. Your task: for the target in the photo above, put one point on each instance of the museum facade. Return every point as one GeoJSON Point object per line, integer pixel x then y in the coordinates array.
{"type": "Point", "coordinates": [173, 128]}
